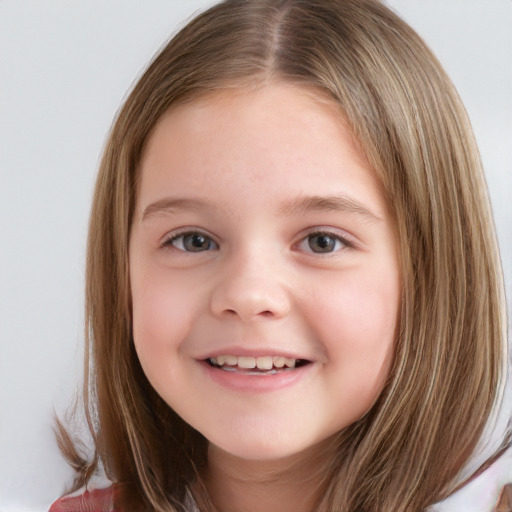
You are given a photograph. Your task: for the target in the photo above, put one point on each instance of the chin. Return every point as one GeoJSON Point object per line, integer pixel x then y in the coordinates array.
{"type": "Point", "coordinates": [262, 452]}
{"type": "Point", "coordinates": [263, 448]}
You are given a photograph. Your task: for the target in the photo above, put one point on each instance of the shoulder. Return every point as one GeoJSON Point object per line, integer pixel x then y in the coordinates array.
{"type": "Point", "coordinates": [491, 491]}
{"type": "Point", "coordinates": [87, 500]}
{"type": "Point", "coordinates": [102, 499]}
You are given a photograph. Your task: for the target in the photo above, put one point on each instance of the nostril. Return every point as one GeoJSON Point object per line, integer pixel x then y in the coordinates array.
{"type": "Point", "coordinates": [249, 299]}
{"type": "Point", "coordinates": [262, 314]}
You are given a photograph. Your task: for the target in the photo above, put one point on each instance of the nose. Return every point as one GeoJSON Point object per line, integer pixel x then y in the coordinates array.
{"type": "Point", "coordinates": [249, 288]}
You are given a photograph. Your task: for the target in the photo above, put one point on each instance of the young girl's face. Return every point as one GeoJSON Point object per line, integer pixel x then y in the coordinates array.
{"type": "Point", "coordinates": [261, 241]}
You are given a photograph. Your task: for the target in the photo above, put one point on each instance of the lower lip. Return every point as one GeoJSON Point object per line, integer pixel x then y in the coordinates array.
{"type": "Point", "coordinates": [256, 383]}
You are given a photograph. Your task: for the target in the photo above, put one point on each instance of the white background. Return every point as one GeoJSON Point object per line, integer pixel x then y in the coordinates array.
{"type": "Point", "coordinates": [65, 67]}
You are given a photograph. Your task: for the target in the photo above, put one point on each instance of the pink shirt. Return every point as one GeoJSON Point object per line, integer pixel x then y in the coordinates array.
{"type": "Point", "coordinates": [95, 500]}
{"type": "Point", "coordinates": [102, 500]}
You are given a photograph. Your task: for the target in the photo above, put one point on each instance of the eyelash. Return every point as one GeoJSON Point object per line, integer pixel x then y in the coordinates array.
{"type": "Point", "coordinates": [347, 244]}
{"type": "Point", "coordinates": [169, 241]}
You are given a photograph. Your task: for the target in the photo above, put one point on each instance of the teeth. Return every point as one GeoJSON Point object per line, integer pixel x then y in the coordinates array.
{"type": "Point", "coordinates": [249, 362]}
{"type": "Point", "coordinates": [289, 362]}
{"type": "Point", "coordinates": [264, 363]}
{"type": "Point", "coordinates": [228, 360]}
{"type": "Point", "coordinates": [278, 361]}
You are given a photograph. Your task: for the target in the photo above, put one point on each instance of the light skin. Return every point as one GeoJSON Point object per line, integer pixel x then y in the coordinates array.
{"type": "Point", "coordinates": [260, 231]}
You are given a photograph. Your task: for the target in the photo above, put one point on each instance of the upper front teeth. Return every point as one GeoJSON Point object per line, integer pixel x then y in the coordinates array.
{"type": "Point", "coordinates": [248, 362]}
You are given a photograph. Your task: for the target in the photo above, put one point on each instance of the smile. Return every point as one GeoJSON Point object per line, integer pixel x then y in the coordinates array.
{"type": "Point", "coordinates": [256, 373]}
{"type": "Point", "coordinates": [258, 365]}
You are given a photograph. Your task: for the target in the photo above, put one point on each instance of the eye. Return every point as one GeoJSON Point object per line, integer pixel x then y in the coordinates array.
{"type": "Point", "coordinates": [192, 241]}
{"type": "Point", "coordinates": [324, 242]}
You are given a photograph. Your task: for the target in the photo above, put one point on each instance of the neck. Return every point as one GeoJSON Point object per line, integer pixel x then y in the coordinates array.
{"type": "Point", "coordinates": [293, 484]}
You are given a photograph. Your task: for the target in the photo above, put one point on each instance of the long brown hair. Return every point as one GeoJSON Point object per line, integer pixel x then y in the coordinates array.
{"type": "Point", "coordinates": [408, 451]}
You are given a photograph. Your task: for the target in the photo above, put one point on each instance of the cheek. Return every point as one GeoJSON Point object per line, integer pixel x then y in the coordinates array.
{"type": "Point", "coordinates": [363, 307]}
{"type": "Point", "coordinates": [356, 323]}
{"type": "Point", "coordinates": [162, 312]}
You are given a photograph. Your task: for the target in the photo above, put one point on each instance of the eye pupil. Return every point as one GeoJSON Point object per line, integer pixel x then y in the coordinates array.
{"type": "Point", "coordinates": [196, 242]}
{"type": "Point", "coordinates": [322, 243]}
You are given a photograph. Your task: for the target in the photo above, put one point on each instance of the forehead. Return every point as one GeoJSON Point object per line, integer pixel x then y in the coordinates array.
{"type": "Point", "coordinates": [264, 105]}
{"type": "Point", "coordinates": [277, 136]}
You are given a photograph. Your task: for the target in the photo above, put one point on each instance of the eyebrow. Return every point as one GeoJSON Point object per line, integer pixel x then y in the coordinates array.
{"type": "Point", "coordinates": [332, 203]}
{"type": "Point", "coordinates": [296, 206]}
{"type": "Point", "coordinates": [171, 205]}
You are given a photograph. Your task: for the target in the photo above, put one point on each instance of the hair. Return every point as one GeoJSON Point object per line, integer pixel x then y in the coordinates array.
{"type": "Point", "coordinates": [409, 450]}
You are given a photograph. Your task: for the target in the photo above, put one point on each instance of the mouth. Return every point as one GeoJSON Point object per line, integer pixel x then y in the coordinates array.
{"type": "Point", "coordinates": [262, 365]}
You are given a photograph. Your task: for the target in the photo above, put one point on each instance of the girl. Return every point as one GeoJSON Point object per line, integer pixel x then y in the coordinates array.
{"type": "Point", "coordinates": [294, 294]}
